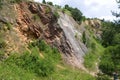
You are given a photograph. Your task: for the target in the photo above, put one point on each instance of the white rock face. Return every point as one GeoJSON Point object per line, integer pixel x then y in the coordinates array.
{"type": "Point", "coordinates": [79, 49]}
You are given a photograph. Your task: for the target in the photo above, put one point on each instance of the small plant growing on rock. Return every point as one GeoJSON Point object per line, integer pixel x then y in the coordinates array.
{"type": "Point", "coordinates": [47, 10]}
{"type": "Point", "coordinates": [9, 26]}
{"type": "Point", "coordinates": [56, 14]}
{"type": "Point", "coordinates": [84, 37]}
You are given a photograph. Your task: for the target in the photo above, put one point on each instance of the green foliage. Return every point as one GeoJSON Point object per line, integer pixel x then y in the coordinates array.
{"type": "Point", "coordinates": [56, 14]}
{"type": "Point", "coordinates": [83, 18]}
{"type": "Point", "coordinates": [9, 26]}
{"type": "Point", "coordinates": [111, 39]}
{"type": "Point", "coordinates": [47, 10]}
{"type": "Point", "coordinates": [92, 57]}
{"type": "Point", "coordinates": [57, 6]}
{"type": "Point", "coordinates": [50, 3]}
{"type": "Point", "coordinates": [108, 33]}
{"type": "Point", "coordinates": [18, 1]}
{"type": "Point", "coordinates": [13, 72]}
{"type": "Point", "coordinates": [36, 17]}
{"type": "Point", "coordinates": [84, 37]}
{"type": "Point", "coordinates": [2, 42]}
{"type": "Point", "coordinates": [44, 2]}
{"type": "Point", "coordinates": [71, 74]}
{"type": "Point", "coordinates": [110, 60]}
{"type": "Point", "coordinates": [102, 77]}
{"type": "Point", "coordinates": [111, 34]}
{"type": "Point", "coordinates": [50, 53]}
{"type": "Point", "coordinates": [76, 35]}
{"type": "Point", "coordinates": [116, 39]}
{"type": "Point", "coordinates": [32, 62]}
{"type": "Point", "coordinates": [66, 11]}
{"type": "Point", "coordinates": [27, 66]}
{"type": "Point", "coordinates": [76, 13]}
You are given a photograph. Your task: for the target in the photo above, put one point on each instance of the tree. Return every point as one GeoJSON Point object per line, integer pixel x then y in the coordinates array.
{"type": "Point", "coordinates": [44, 2]}
{"type": "Point", "coordinates": [110, 61]}
{"type": "Point", "coordinates": [116, 39]}
{"type": "Point", "coordinates": [50, 3]}
{"type": "Point", "coordinates": [76, 13]}
{"type": "Point", "coordinates": [108, 33]}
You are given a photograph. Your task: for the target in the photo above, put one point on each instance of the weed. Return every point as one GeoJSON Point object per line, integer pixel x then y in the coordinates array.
{"type": "Point", "coordinates": [47, 10]}
{"type": "Point", "coordinates": [9, 26]}
{"type": "Point", "coordinates": [56, 14]}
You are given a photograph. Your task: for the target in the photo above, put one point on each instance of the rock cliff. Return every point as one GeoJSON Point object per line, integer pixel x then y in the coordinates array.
{"type": "Point", "coordinates": [38, 21]}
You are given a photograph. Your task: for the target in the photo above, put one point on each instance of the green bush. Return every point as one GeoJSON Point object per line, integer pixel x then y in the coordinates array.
{"type": "Point", "coordinates": [18, 1]}
{"type": "Point", "coordinates": [74, 12]}
{"type": "Point", "coordinates": [47, 10]}
{"type": "Point", "coordinates": [56, 14]}
{"type": "Point", "coordinates": [110, 60]}
{"type": "Point", "coordinates": [107, 66]}
{"type": "Point", "coordinates": [84, 37]}
{"type": "Point", "coordinates": [9, 26]}
{"type": "Point", "coordinates": [44, 2]}
{"type": "Point", "coordinates": [36, 17]}
{"type": "Point", "coordinates": [2, 42]}
{"type": "Point", "coordinates": [33, 62]}
{"type": "Point", "coordinates": [50, 3]}
{"type": "Point", "coordinates": [50, 53]}
{"type": "Point", "coordinates": [102, 77]}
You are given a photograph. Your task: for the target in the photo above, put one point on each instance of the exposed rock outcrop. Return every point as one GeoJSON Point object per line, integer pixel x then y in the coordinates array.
{"type": "Point", "coordinates": [37, 21]}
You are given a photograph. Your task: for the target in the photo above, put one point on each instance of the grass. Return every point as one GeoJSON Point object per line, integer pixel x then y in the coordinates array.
{"type": "Point", "coordinates": [66, 12]}
{"type": "Point", "coordinates": [36, 17]}
{"type": "Point", "coordinates": [9, 26]}
{"type": "Point", "coordinates": [31, 66]}
{"type": "Point", "coordinates": [92, 57]}
{"type": "Point", "coordinates": [13, 72]}
{"type": "Point", "coordinates": [71, 74]}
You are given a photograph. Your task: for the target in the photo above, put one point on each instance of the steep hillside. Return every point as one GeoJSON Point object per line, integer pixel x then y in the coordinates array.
{"type": "Point", "coordinates": [38, 21]}
{"type": "Point", "coordinates": [39, 40]}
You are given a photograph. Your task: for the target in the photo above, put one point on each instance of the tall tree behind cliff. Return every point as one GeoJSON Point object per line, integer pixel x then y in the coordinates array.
{"type": "Point", "coordinates": [44, 1]}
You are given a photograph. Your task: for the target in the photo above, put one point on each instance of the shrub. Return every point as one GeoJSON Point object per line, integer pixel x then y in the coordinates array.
{"type": "Point", "coordinates": [110, 60]}
{"type": "Point", "coordinates": [2, 43]}
{"type": "Point", "coordinates": [107, 66]}
{"type": "Point", "coordinates": [47, 10]}
{"type": "Point", "coordinates": [18, 1]}
{"type": "Point", "coordinates": [9, 26]}
{"type": "Point", "coordinates": [50, 3]}
{"type": "Point", "coordinates": [74, 12]}
{"type": "Point", "coordinates": [50, 53]}
{"type": "Point", "coordinates": [35, 17]}
{"type": "Point", "coordinates": [32, 62]}
{"type": "Point", "coordinates": [84, 37]}
{"type": "Point", "coordinates": [44, 2]}
{"type": "Point", "coordinates": [102, 77]}
{"type": "Point", "coordinates": [56, 14]}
